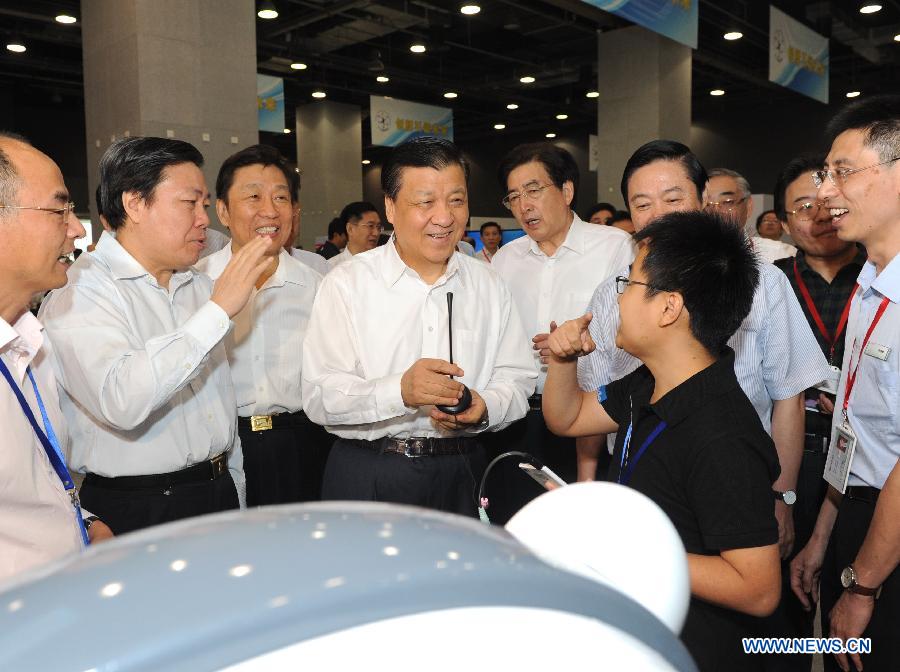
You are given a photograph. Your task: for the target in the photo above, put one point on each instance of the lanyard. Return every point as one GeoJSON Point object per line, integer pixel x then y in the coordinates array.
{"type": "Point", "coordinates": [49, 442]}
{"type": "Point", "coordinates": [626, 466]}
{"type": "Point", "coordinates": [852, 371]}
{"type": "Point", "coordinates": [817, 318]}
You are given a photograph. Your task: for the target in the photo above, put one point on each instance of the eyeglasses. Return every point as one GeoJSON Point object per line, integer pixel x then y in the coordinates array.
{"type": "Point", "coordinates": [64, 211]}
{"type": "Point", "coordinates": [622, 282]}
{"type": "Point", "coordinates": [727, 204]}
{"type": "Point", "coordinates": [807, 212]}
{"type": "Point", "coordinates": [838, 175]}
{"type": "Point", "coordinates": [373, 228]}
{"type": "Point", "coordinates": [531, 193]}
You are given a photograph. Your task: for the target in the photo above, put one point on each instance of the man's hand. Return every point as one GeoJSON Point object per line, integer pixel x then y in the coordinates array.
{"type": "Point", "coordinates": [541, 344]}
{"type": "Point", "coordinates": [785, 518]}
{"type": "Point", "coordinates": [805, 570]}
{"type": "Point", "coordinates": [99, 531]}
{"type": "Point", "coordinates": [232, 289]}
{"type": "Point", "coordinates": [826, 404]}
{"type": "Point", "coordinates": [426, 382]}
{"type": "Point", "coordinates": [572, 339]}
{"type": "Point", "coordinates": [849, 618]}
{"type": "Point", "coordinates": [471, 416]}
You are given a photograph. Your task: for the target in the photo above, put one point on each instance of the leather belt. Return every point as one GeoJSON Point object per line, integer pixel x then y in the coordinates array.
{"type": "Point", "coordinates": [262, 423]}
{"type": "Point", "coordinates": [862, 493]}
{"type": "Point", "coordinates": [422, 446]}
{"type": "Point", "coordinates": [534, 402]}
{"type": "Point", "coordinates": [209, 470]}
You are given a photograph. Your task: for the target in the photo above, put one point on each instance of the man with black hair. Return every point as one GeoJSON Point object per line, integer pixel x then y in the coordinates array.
{"type": "Point", "coordinates": [855, 546]}
{"type": "Point", "coordinates": [768, 225]}
{"type": "Point", "coordinates": [622, 220]}
{"type": "Point", "coordinates": [491, 239]}
{"type": "Point", "coordinates": [284, 453]}
{"type": "Point", "coordinates": [337, 239]}
{"type": "Point", "coordinates": [776, 355]}
{"type": "Point", "coordinates": [688, 437]}
{"type": "Point", "coordinates": [552, 272]}
{"type": "Point", "coordinates": [375, 360]}
{"type": "Point", "coordinates": [363, 226]}
{"type": "Point", "coordinates": [138, 338]}
{"type": "Point", "coordinates": [601, 213]}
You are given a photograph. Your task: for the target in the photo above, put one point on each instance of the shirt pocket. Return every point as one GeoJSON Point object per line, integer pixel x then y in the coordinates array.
{"type": "Point", "coordinates": [888, 381]}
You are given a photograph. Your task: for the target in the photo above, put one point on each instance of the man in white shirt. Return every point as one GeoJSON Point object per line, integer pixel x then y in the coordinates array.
{"type": "Point", "coordinates": [375, 361]}
{"type": "Point", "coordinates": [552, 272]}
{"type": "Point", "coordinates": [767, 242]}
{"type": "Point", "coordinates": [283, 451]}
{"type": "Point", "coordinates": [38, 519]}
{"type": "Point", "coordinates": [363, 228]}
{"type": "Point", "coordinates": [138, 351]}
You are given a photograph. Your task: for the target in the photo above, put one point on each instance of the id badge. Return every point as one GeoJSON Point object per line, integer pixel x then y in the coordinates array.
{"type": "Point", "coordinates": [837, 467]}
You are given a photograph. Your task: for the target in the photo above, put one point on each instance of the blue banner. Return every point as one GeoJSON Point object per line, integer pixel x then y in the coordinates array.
{"type": "Point", "coordinates": [270, 103]}
{"type": "Point", "coordinates": [394, 120]}
{"type": "Point", "coordinates": [675, 19]}
{"type": "Point", "coordinates": [798, 56]}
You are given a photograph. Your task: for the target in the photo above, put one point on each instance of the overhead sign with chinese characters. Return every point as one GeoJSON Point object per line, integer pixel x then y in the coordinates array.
{"type": "Point", "coordinates": [676, 19]}
{"type": "Point", "coordinates": [394, 121]}
{"type": "Point", "coordinates": [798, 56]}
{"type": "Point", "coordinates": [270, 103]}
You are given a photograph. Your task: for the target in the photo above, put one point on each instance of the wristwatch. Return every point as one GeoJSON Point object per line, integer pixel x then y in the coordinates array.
{"type": "Point", "coordinates": [90, 520]}
{"type": "Point", "coordinates": [848, 581]}
{"type": "Point", "coordinates": [789, 497]}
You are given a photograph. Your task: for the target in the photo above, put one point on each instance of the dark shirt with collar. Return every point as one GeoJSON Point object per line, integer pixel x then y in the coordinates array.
{"type": "Point", "coordinates": [329, 250]}
{"type": "Point", "coordinates": [711, 470]}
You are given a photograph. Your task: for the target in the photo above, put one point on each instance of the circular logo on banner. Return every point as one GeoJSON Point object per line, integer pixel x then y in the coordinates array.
{"type": "Point", "coordinates": [382, 120]}
{"type": "Point", "coordinates": [778, 37]}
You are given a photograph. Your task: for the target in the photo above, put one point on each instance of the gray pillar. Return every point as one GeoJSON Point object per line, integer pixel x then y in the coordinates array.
{"type": "Point", "coordinates": [329, 154]}
{"type": "Point", "coordinates": [170, 68]}
{"type": "Point", "coordinates": [644, 81]}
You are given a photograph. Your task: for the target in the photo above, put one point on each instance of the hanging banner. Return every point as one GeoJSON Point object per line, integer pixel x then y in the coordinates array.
{"type": "Point", "coordinates": [270, 103]}
{"type": "Point", "coordinates": [394, 121]}
{"type": "Point", "coordinates": [798, 56]}
{"type": "Point", "coordinates": [675, 19]}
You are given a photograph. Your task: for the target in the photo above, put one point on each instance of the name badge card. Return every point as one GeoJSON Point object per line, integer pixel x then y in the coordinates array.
{"type": "Point", "coordinates": [837, 467]}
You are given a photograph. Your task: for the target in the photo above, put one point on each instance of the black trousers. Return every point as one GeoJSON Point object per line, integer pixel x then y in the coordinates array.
{"type": "Point", "coordinates": [128, 510]}
{"type": "Point", "coordinates": [509, 488]}
{"type": "Point", "coordinates": [286, 463]}
{"type": "Point", "coordinates": [359, 470]}
{"type": "Point", "coordinates": [850, 529]}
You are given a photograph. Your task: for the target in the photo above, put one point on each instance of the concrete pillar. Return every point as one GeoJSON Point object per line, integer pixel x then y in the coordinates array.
{"type": "Point", "coordinates": [329, 154]}
{"type": "Point", "coordinates": [170, 68]}
{"type": "Point", "coordinates": [644, 81]}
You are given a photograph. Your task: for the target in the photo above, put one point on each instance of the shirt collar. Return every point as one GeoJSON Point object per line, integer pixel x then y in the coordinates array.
{"type": "Point", "coordinates": [804, 267]}
{"type": "Point", "coordinates": [574, 238]}
{"type": "Point", "coordinates": [886, 283]}
{"type": "Point", "coordinates": [123, 266]}
{"type": "Point", "coordinates": [22, 340]}
{"type": "Point", "coordinates": [394, 267]}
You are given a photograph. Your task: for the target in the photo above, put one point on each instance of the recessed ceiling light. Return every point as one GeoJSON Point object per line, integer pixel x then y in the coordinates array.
{"type": "Point", "coordinates": [733, 35]}
{"type": "Point", "coordinates": [267, 10]}
{"type": "Point", "coordinates": [451, 94]}
{"type": "Point", "coordinates": [366, 162]}
{"type": "Point", "coordinates": [550, 135]}
{"type": "Point", "coordinates": [512, 106]}
{"type": "Point", "coordinates": [852, 94]}
{"type": "Point", "coordinates": [499, 127]}
{"type": "Point", "coordinates": [382, 79]}
{"type": "Point", "coordinates": [16, 47]}
{"type": "Point", "coordinates": [592, 94]}
{"type": "Point", "coordinates": [470, 9]}
{"type": "Point", "coordinates": [717, 92]}
{"type": "Point", "coordinates": [65, 18]}
{"type": "Point", "coordinates": [297, 65]}
{"type": "Point", "coordinates": [287, 130]}
{"type": "Point", "coordinates": [897, 37]}
{"type": "Point", "coordinates": [562, 117]}
{"type": "Point", "coordinates": [527, 79]}
{"type": "Point", "coordinates": [417, 48]}
{"type": "Point", "coordinates": [870, 9]}
{"type": "Point", "coordinates": [318, 94]}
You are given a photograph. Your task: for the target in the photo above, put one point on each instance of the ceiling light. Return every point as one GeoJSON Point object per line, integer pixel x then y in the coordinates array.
{"type": "Point", "coordinates": [267, 10]}
{"type": "Point", "coordinates": [499, 127]}
{"type": "Point", "coordinates": [451, 94]}
{"type": "Point", "coordinates": [870, 9]}
{"type": "Point", "coordinates": [287, 130]}
{"type": "Point", "coordinates": [470, 9]}
{"type": "Point", "coordinates": [550, 135]}
{"type": "Point", "coordinates": [562, 117]}
{"type": "Point", "coordinates": [366, 162]}
{"type": "Point", "coordinates": [733, 35]}
{"type": "Point", "coordinates": [382, 79]}
{"type": "Point", "coordinates": [65, 18]}
{"type": "Point", "coordinates": [527, 79]}
{"type": "Point", "coordinates": [897, 37]}
{"type": "Point", "coordinates": [592, 94]}
{"type": "Point", "coordinates": [852, 94]}
{"type": "Point", "coordinates": [417, 48]}
{"type": "Point", "coordinates": [296, 65]}
{"type": "Point", "coordinates": [512, 106]}
{"type": "Point", "coordinates": [318, 94]}
{"type": "Point", "coordinates": [717, 92]}
{"type": "Point", "coordinates": [16, 46]}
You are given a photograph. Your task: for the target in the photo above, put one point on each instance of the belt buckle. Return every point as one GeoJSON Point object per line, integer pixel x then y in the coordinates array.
{"type": "Point", "coordinates": [412, 444]}
{"type": "Point", "coordinates": [260, 423]}
{"type": "Point", "coordinates": [219, 465]}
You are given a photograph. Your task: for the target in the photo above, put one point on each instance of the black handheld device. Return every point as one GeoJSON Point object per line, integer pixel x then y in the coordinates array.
{"type": "Point", "coordinates": [466, 399]}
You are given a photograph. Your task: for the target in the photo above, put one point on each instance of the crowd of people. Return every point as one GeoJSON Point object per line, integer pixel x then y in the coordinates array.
{"type": "Point", "coordinates": [757, 403]}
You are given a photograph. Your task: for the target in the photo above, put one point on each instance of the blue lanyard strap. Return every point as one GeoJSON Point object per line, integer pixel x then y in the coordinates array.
{"type": "Point", "coordinates": [626, 469]}
{"type": "Point", "coordinates": [48, 441]}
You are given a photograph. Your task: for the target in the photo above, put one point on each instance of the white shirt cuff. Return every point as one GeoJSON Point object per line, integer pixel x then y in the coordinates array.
{"type": "Point", "coordinates": [208, 325]}
{"type": "Point", "coordinates": [389, 398]}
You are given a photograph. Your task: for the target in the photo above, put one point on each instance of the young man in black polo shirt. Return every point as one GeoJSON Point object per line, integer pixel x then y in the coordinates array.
{"type": "Point", "coordinates": [688, 437]}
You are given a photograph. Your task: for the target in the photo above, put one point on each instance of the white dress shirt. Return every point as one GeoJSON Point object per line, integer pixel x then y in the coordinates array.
{"type": "Point", "coordinates": [144, 377]}
{"type": "Point", "coordinates": [265, 348]}
{"type": "Point", "coordinates": [483, 255]}
{"type": "Point", "coordinates": [315, 261]}
{"type": "Point", "coordinates": [215, 241]}
{"type": "Point", "coordinates": [376, 317]}
{"type": "Point", "coordinates": [37, 519]}
{"type": "Point", "coordinates": [772, 250]}
{"type": "Point", "coordinates": [465, 248]}
{"type": "Point", "coordinates": [776, 354]}
{"type": "Point", "coordinates": [559, 288]}
{"type": "Point", "coordinates": [874, 409]}
{"type": "Point", "coordinates": [340, 257]}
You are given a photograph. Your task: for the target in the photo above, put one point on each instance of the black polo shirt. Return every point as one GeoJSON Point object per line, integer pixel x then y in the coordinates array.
{"type": "Point", "coordinates": [711, 470]}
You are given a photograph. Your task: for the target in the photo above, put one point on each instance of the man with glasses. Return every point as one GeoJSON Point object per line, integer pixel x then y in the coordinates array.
{"type": "Point", "coordinates": [363, 229]}
{"type": "Point", "coordinates": [551, 272]}
{"type": "Point", "coordinates": [855, 546]}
